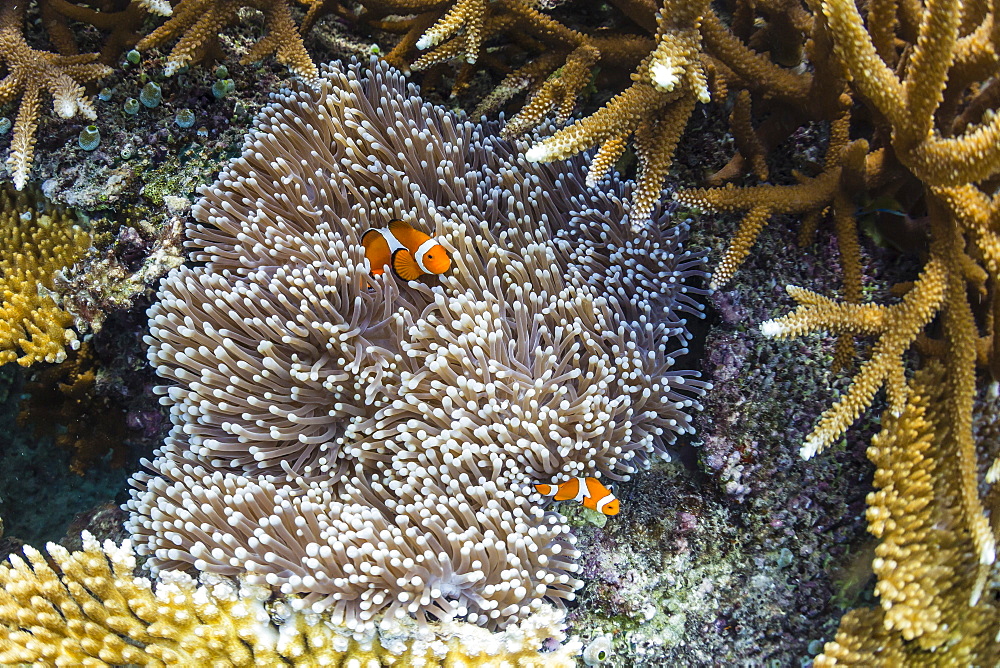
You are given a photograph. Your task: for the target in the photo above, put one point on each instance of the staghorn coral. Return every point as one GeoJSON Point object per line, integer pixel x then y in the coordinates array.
{"type": "Point", "coordinates": [935, 148]}
{"type": "Point", "coordinates": [655, 109]}
{"type": "Point", "coordinates": [36, 242]}
{"type": "Point", "coordinates": [198, 24]}
{"type": "Point", "coordinates": [830, 192]}
{"type": "Point", "coordinates": [941, 163]}
{"type": "Point", "coordinates": [909, 104]}
{"type": "Point", "coordinates": [121, 19]}
{"type": "Point", "coordinates": [761, 203]}
{"type": "Point", "coordinates": [369, 445]}
{"type": "Point", "coordinates": [87, 608]}
{"type": "Point", "coordinates": [896, 327]}
{"type": "Point", "coordinates": [663, 57]}
{"type": "Point", "coordinates": [29, 73]}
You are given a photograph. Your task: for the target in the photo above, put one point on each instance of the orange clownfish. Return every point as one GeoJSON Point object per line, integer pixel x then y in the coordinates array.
{"type": "Point", "coordinates": [409, 253]}
{"type": "Point", "coordinates": [588, 491]}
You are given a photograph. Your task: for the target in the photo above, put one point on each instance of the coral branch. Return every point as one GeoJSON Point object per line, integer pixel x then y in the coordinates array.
{"type": "Point", "coordinates": [198, 23]}
{"type": "Point", "coordinates": [29, 73]}
{"type": "Point", "coordinates": [895, 326]}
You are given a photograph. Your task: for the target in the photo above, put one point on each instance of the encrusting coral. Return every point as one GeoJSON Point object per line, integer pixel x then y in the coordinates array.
{"type": "Point", "coordinates": [29, 73]}
{"type": "Point", "coordinates": [88, 608]}
{"type": "Point", "coordinates": [368, 446]}
{"type": "Point", "coordinates": [35, 242]}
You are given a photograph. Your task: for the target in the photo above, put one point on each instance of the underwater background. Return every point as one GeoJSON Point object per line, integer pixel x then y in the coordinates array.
{"type": "Point", "coordinates": [731, 548]}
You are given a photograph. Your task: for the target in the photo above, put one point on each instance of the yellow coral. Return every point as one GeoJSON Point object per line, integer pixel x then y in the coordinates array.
{"type": "Point", "coordinates": [902, 511]}
{"type": "Point", "coordinates": [34, 245]}
{"type": "Point", "coordinates": [655, 109]}
{"type": "Point", "coordinates": [95, 612]}
{"type": "Point", "coordinates": [760, 203]}
{"type": "Point", "coordinates": [811, 197]}
{"type": "Point", "coordinates": [896, 326]}
{"type": "Point", "coordinates": [465, 14]}
{"type": "Point", "coordinates": [926, 563]}
{"type": "Point", "coordinates": [559, 92]}
{"type": "Point", "coordinates": [909, 105]}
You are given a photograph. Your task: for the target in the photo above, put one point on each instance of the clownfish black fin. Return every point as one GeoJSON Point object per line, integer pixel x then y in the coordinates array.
{"type": "Point", "coordinates": [404, 266]}
{"type": "Point", "coordinates": [396, 225]}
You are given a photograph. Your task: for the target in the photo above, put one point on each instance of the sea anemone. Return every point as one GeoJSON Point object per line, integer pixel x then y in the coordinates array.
{"type": "Point", "coordinates": [368, 446]}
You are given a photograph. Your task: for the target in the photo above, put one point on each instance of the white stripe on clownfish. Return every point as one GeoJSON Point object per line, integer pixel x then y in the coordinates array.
{"type": "Point", "coordinates": [390, 239]}
{"type": "Point", "coordinates": [602, 504]}
{"type": "Point", "coordinates": [422, 251]}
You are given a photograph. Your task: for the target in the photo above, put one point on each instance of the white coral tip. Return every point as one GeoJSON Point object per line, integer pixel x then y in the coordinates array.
{"type": "Point", "coordinates": [988, 553]}
{"type": "Point", "coordinates": [20, 178]}
{"type": "Point", "coordinates": [538, 153]}
{"type": "Point", "coordinates": [809, 448]}
{"type": "Point", "coordinates": [771, 328]}
{"type": "Point", "coordinates": [665, 78]}
{"type": "Point", "coordinates": [65, 107]}
{"type": "Point", "coordinates": [993, 474]}
{"type": "Point", "coordinates": [161, 7]}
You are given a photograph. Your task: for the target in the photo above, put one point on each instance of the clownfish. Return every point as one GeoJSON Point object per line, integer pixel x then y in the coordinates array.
{"type": "Point", "coordinates": [588, 491]}
{"type": "Point", "coordinates": [409, 253]}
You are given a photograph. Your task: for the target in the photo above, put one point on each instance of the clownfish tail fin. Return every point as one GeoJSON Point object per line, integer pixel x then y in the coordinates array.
{"type": "Point", "coordinates": [376, 250]}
